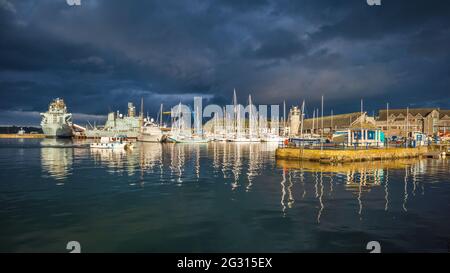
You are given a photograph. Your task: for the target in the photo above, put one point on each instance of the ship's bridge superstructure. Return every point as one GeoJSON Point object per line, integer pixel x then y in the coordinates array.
{"type": "Point", "coordinates": [57, 122]}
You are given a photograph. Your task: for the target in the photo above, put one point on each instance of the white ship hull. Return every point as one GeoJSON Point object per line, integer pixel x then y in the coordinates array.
{"type": "Point", "coordinates": [149, 138]}
{"type": "Point", "coordinates": [184, 139]}
{"type": "Point", "coordinates": [57, 130]}
{"type": "Point", "coordinates": [244, 140]}
{"type": "Point", "coordinates": [150, 132]}
{"type": "Point", "coordinates": [105, 133]}
{"type": "Point", "coordinates": [57, 122]}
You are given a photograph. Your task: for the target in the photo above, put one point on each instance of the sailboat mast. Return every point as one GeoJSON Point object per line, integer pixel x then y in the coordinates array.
{"type": "Point", "coordinates": [180, 123]}
{"type": "Point", "coordinates": [197, 121]}
{"type": "Point", "coordinates": [331, 125]}
{"type": "Point", "coordinates": [314, 118]}
{"type": "Point", "coordinates": [141, 114]}
{"type": "Point", "coordinates": [361, 110]}
{"type": "Point", "coordinates": [284, 117]}
{"type": "Point", "coordinates": [216, 124]}
{"type": "Point", "coordinates": [362, 133]}
{"type": "Point", "coordinates": [407, 123]}
{"type": "Point", "coordinates": [303, 115]}
{"type": "Point", "coordinates": [317, 119]}
{"type": "Point", "coordinates": [235, 112]}
{"type": "Point", "coordinates": [387, 121]}
{"type": "Point", "coordinates": [224, 122]}
{"type": "Point", "coordinates": [161, 115]}
{"type": "Point", "coordinates": [238, 124]}
{"type": "Point", "coordinates": [321, 121]}
{"type": "Point", "coordinates": [250, 116]}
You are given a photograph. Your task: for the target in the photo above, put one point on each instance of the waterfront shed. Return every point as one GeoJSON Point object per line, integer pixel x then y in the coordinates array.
{"type": "Point", "coordinates": [365, 134]}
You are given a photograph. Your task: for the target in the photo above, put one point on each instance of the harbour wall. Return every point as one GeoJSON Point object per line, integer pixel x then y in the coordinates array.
{"type": "Point", "coordinates": [340, 156]}
{"type": "Point", "coordinates": [22, 136]}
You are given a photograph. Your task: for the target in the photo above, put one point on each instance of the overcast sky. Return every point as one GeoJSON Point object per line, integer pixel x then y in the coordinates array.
{"type": "Point", "coordinates": [102, 54]}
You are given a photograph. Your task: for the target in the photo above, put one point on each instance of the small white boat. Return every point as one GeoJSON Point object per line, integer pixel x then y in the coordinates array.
{"type": "Point", "coordinates": [119, 142]}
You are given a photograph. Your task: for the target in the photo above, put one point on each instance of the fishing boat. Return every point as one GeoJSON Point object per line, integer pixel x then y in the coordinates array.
{"type": "Point", "coordinates": [119, 142]}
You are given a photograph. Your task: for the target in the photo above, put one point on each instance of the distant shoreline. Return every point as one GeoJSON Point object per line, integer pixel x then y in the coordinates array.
{"type": "Point", "coordinates": [14, 129]}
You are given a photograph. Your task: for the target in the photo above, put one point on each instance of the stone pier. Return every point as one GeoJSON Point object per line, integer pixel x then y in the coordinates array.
{"type": "Point", "coordinates": [338, 156]}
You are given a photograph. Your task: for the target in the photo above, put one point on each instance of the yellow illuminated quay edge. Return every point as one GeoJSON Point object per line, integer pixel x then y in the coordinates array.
{"type": "Point", "coordinates": [333, 156]}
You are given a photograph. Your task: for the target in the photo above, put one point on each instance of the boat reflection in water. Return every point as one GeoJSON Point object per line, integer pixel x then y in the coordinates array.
{"type": "Point", "coordinates": [164, 197]}
{"type": "Point", "coordinates": [237, 163]}
{"type": "Point", "coordinates": [230, 194]}
{"type": "Point", "coordinates": [359, 178]}
{"type": "Point", "coordinates": [150, 156]}
{"type": "Point", "coordinates": [242, 162]}
{"type": "Point", "coordinates": [241, 166]}
{"type": "Point", "coordinates": [117, 161]}
{"type": "Point", "coordinates": [57, 158]}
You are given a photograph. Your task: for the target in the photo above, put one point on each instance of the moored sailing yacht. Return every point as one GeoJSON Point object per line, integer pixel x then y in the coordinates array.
{"type": "Point", "coordinates": [252, 135]}
{"type": "Point", "coordinates": [253, 131]}
{"type": "Point", "coordinates": [181, 134]}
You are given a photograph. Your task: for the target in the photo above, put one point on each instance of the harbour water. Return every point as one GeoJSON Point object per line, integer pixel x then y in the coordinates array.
{"type": "Point", "coordinates": [215, 197]}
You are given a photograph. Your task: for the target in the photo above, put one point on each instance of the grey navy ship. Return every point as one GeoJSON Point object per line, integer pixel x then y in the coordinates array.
{"type": "Point", "coordinates": [57, 122]}
{"type": "Point", "coordinates": [118, 124]}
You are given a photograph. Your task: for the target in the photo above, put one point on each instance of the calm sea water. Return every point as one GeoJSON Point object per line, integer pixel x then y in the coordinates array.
{"type": "Point", "coordinates": [217, 197]}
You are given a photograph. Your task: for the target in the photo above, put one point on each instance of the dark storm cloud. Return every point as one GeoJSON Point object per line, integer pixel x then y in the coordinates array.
{"type": "Point", "coordinates": [277, 44]}
{"type": "Point", "coordinates": [394, 17]}
{"type": "Point", "coordinates": [104, 53]}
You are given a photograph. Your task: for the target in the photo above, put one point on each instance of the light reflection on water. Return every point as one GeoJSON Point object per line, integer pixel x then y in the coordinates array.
{"type": "Point", "coordinates": [359, 178]}
{"type": "Point", "coordinates": [236, 196]}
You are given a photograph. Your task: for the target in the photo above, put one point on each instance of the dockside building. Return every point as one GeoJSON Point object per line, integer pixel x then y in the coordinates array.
{"type": "Point", "coordinates": [429, 121]}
